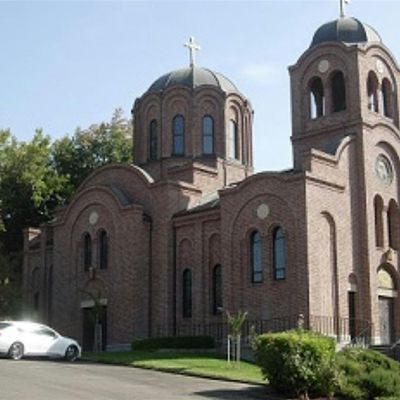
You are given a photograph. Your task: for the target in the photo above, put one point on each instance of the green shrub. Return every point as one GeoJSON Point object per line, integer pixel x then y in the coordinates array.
{"type": "Point", "coordinates": [367, 374]}
{"type": "Point", "coordinates": [298, 362]}
{"type": "Point", "coordinates": [174, 342]}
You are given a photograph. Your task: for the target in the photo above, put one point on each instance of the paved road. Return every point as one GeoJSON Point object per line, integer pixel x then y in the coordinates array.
{"type": "Point", "coordinates": [48, 380]}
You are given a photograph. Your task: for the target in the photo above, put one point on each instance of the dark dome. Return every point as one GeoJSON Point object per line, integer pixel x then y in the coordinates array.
{"type": "Point", "coordinates": [345, 30]}
{"type": "Point", "coordinates": [193, 77]}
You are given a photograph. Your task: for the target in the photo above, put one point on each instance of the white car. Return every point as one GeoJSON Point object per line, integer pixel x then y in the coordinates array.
{"type": "Point", "coordinates": [20, 338]}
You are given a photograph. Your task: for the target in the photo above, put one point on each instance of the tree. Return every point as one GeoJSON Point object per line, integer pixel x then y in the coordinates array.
{"type": "Point", "coordinates": [10, 293]}
{"type": "Point", "coordinates": [235, 323]}
{"type": "Point", "coordinates": [29, 186]}
{"type": "Point", "coordinates": [76, 157]}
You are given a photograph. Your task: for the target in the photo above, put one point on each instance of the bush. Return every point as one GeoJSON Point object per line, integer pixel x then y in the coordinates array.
{"type": "Point", "coordinates": [174, 342]}
{"type": "Point", "coordinates": [368, 375]}
{"type": "Point", "coordinates": [298, 362]}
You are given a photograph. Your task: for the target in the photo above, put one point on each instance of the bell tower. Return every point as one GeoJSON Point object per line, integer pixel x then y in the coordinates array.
{"type": "Point", "coordinates": [345, 79]}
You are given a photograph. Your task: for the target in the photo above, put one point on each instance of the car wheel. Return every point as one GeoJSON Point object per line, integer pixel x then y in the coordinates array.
{"type": "Point", "coordinates": [16, 351]}
{"type": "Point", "coordinates": [72, 352]}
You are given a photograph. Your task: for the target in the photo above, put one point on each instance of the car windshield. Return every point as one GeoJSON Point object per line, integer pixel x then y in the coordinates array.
{"type": "Point", "coordinates": [4, 325]}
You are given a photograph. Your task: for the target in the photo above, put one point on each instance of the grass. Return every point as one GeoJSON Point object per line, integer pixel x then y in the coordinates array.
{"type": "Point", "coordinates": [202, 364]}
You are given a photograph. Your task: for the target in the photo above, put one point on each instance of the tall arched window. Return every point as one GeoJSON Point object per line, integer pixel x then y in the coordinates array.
{"type": "Point", "coordinates": [217, 289]}
{"type": "Point", "coordinates": [317, 98]}
{"type": "Point", "coordinates": [208, 135]}
{"type": "Point", "coordinates": [87, 251]}
{"type": "Point", "coordinates": [103, 249]}
{"type": "Point", "coordinates": [279, 262]}
{"type": "Point", "coordinates": [393, 224]}
{"type": "Point", "coordinates": [187, 293]}
{"type": "Point", "coordinates": [338, 92]}
{"type": "Point", "coordinates": [178, 135]}
{"type": "Point", "coordinates": [387, 98]}
{"type": "Point", "coordinates": [233, 140]}
{"type": "Point", "coordinates": [256, 257]}
{"type": "Point", "coordinates": [378, 210]}
{"type": "Point", "coordinates": [153, 140]}
{"type": "Point", "coordinates": [372, 89]}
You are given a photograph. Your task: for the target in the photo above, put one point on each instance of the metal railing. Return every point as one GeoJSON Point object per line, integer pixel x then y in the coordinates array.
{"type": "Point", "coordinates": [343, 329]}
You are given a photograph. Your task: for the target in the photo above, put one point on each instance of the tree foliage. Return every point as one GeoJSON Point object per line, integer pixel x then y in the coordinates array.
{"type": "Point", "coordinates": [38, 176]}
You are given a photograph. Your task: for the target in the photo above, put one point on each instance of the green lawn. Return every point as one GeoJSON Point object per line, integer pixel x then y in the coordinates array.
{"type": "Point", "coordinates": [197, 364]}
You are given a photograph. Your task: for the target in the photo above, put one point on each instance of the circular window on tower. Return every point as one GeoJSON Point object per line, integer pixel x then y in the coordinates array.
{"type": "Point", "coordinates": [384, 170]}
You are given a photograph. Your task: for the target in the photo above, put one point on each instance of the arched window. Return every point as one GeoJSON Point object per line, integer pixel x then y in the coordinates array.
{"type": "Point", "coordinates": [187, 294]}
{"type": "Point", "coordinates": [87, 252]}
{"type": "Point", "coordinates": [217, 289]}
{"type": "Point", "coordinates": [153, 140]}
{"type": "Point", "coordinates": [233, 140]}
{"type": "Point", "coordinates": [372, 89]}
{"type": "Point", "coordinates": [378, 210]}
{"type": "Point", "coordinates": [338, 92]}
{"type": "Point", "coordinates": [317, 98]}
{"type": "Point", "coordinates": [103, 249]}
{"type": "Point", "coordinates": [387, 98]}
{"type": "Point", "coordinates": [178, 135]}
{"type": "Point", "coordinates": [208, 135]}
{"type": "Point", "coordinates": [279, 262]}
{"type": "Point", "coordinates": [393, 224]}
{"type": "Point", "coordinates": [256, 257]}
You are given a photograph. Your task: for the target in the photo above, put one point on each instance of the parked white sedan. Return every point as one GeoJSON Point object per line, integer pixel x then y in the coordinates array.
{"type": "Point", "coordinates": [20, 338]}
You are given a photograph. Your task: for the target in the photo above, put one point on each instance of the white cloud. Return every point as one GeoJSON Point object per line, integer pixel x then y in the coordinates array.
{"type": "Point", "coordinates": [265, 74]}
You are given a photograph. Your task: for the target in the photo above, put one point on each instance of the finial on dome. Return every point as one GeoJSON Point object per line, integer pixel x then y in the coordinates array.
{"type": "Point", "coordinates": [342, 7]}
{"type": "Point", "coordinates": [193, 47]}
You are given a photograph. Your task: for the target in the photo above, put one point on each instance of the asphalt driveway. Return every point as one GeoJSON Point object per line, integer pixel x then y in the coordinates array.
{"type": "Point", "coordinates": [48, 380]}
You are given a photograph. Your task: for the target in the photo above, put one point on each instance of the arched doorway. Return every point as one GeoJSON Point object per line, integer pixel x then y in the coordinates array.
{"type": "Point", "coordinates": [386, 295]}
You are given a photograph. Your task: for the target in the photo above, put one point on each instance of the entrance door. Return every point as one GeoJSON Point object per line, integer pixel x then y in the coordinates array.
{"type": "Point", "coordinates": [386, 319]}
{"type": "Point", "coordinates": [89, 331]}
{"type": "Point", "coordinates": [352, 315]}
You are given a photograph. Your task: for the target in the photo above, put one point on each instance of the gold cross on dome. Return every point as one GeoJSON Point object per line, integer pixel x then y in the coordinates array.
{"type": "Point", "coordinates": [342, 6]}
{"type": "Point", "coordinates": [193, 47]}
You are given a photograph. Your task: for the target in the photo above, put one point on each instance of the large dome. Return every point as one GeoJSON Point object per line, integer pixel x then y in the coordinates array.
{"type": "Point", "coordinates": [193, 77]}
{"type": "Point", "coordinates": [345, 30]}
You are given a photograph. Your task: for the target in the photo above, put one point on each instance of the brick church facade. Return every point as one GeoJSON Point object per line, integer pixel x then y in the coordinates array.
{"type": "Point", "coordinates": [189, 231]}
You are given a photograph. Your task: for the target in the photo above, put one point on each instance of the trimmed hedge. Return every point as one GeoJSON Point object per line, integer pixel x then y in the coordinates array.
{"type": "Point", "coordinates": [174, 342]}
{"type": "Point", "coordinates": [298, 362]}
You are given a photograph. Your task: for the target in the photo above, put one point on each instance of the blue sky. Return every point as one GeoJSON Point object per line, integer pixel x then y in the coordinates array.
{"type": "Point", "coordinates": [66, 64]}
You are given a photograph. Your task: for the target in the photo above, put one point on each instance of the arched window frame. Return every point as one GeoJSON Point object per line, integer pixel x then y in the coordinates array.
{"type": "Point", "coordinates": [233, 140]}
{"type": "Point", "coordinates": [178, 135]}
{"type": "Point", "coordinates": [278, 253]}
{"type": "Point", "coordinates": [208, 135]}
{"type": "Point", "coordinates": [338, 88]}
{"type": "Point", "coordinates": [256, 262]}
{"type": "Point", "coordinates": [87, 251]}
{"type": "Point", "coordinates": [103, 249]}
{"type": "Point", "coordinates": [153, 140]}
{"type": "Point", "coordinates": [317, 98]}
{"type": "Point", "coordinates": [187, 293]}
{"type": "Point", "coordinates": [372, 92]}
{"type": "Point", "coordinates": [217, 299]}
{"type": "Point", "coordinates": [387, 99]}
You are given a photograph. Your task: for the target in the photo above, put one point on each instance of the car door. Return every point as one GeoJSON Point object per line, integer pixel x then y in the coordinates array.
{"type": "Point", "coordinates": [43, 340]}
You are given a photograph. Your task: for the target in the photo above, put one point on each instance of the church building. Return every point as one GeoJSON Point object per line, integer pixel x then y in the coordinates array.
{"type": "Point", "coordinates": [169, 244]}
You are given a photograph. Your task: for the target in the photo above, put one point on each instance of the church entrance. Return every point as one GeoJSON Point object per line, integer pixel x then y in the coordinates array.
{"type": "Point", "coordinates": [386, 319]}
{"type": "Point", "coordinates": [387, 293]}
{"type": "Point", "coordinates": [94, 335]}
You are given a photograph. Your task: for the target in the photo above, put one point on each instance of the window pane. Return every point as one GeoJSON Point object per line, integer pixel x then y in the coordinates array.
{"type": "Point", "coordinates": [153, 140]}
{"type": "Point", "coordinates": [256, 257]}
{"type": "Point", "coordinates": [187, 294]}
{"type": "Point", "coordinates": [103, 250]}
{"type": "Point", "coordinates": [279, 254]}
{"type": "Point", "coordinates": [178, 133]}
{"type": "Point", "coordinates": [208, 135]}
{"type": "Point", "coordinates": [217, 289]}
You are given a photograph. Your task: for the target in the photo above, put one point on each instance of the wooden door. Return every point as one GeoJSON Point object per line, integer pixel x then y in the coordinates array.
{"type": "Point", "coordinates": [386, 319]}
